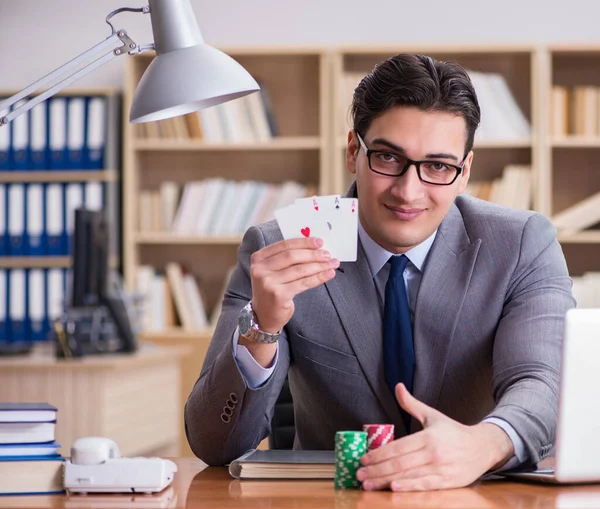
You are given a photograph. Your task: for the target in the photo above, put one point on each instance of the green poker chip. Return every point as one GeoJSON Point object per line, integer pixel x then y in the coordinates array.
{"type": "Point", "coordinates": [350, 446]}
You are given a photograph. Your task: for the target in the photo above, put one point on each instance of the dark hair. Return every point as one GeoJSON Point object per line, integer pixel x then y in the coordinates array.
{"type": "Point", "coordinates": [419, 81]}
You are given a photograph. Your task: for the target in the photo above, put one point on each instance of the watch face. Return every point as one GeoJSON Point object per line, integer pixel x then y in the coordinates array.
{"type": "Point", "coordinates": [244, 322]}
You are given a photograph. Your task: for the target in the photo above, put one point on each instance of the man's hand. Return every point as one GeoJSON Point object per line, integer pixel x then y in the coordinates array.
{"type": "Point", "coordinates": [278, 273]}
{"type": "Point", "coordinates": [445, 454]}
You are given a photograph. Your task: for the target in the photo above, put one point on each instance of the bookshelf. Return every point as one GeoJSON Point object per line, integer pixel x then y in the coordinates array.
{"type": "Point", "coordinates": [82, 166]}
{"type": "Point", "coordinates": [297, 83]}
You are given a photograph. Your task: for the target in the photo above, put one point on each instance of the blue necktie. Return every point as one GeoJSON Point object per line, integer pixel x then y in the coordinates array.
{"type": "Point", "coordinates": [398, 350]}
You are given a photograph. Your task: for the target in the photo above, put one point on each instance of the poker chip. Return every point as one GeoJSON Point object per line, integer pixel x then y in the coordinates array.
{"type": "Point", "coordinates": [378, 435]}
{"type": "Point", "coordinates": [350, 446]}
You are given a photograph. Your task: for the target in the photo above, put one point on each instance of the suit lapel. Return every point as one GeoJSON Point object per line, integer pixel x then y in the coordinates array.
{"type": "Point", "coordinates": [355, 298]}
{"type": "Point", "coordinates": [445, 281]}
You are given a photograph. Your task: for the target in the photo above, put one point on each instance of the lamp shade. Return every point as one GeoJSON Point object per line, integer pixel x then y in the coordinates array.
{"type": "Point", "coordinates": [186, 75]}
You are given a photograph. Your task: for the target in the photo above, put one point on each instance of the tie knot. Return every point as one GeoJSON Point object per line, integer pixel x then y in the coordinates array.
{"type": "Point", "coordinates": [398, 265]}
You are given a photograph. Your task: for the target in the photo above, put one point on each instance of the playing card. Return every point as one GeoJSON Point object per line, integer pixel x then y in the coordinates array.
{"type": "Point", "coordinates": [341, 216]}
{"type": "Point", "coordinates": [295, 224]}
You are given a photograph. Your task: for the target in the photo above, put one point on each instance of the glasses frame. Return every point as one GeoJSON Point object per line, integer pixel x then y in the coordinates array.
{"type": "Point", "coordinates": [409, 163]}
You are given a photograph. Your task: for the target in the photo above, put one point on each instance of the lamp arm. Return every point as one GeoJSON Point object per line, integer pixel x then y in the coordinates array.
{"type": "Point", "coordinates": [118, 43]}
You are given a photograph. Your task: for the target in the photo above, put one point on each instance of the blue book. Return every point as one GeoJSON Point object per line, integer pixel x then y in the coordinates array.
{"type": "Point", "coordinates": [29, 475]}
{"type": "Point", "coordinates": [27, 412]}
{"type": "Point", "coordinates": [13, 452]}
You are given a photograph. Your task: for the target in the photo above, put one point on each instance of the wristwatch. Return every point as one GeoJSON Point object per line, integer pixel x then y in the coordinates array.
{"type": "Point", "coordinates": [249, 328]}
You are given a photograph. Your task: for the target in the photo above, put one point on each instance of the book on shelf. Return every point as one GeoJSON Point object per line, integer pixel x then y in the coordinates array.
{"type": "Point", "coordinates": [512, 189]}
{"type": "Point", "coordinates": [248, 119]}
{"type": "Point", "coordinates": [579, 216]}
{"type": "Point", "coordinates": [284, 464]}
{"type": "Point", "coordinates": [575, 111]}
{"type": "Point", "coordinates": [171, 299]}
{"type": "Point", "coordinates": [214, 206]}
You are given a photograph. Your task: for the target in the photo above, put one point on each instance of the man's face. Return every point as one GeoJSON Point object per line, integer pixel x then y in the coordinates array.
{"type": "Point", "coordinates": [401, 212]}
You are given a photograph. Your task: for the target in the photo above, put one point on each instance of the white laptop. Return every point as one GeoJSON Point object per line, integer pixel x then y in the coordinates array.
{"type": "Point", "coordinates": [577, 448]}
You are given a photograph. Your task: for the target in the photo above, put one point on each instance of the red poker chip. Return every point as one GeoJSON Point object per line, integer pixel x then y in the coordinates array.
{"type": "Point", "coordinates": [378, 435]}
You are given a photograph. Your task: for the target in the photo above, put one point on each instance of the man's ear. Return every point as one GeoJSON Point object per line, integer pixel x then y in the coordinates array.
{"type": "Point", "coordinates": [351, 152]}
{"type": "Point", "coordinates": [466, 173]}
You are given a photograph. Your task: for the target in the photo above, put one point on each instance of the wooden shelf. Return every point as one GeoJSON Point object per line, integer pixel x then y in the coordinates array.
{"type": "Point", "coordinates": [584, 237]}
{"type": "Point", "coordinates": [35, 262]}
{"type": "Point", "coordinates": [174, 238]}
{"type": "Point", "coordinates": [576, 142]}
{"type": "Point", "coordinates": [60, 176]}
{"type": "Point", "coordinates": [281, 143]}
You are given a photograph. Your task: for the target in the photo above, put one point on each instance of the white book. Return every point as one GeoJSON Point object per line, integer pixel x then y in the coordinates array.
{"type": "Point", "coordinates": [94, 196]}
{"type": "Point", "coordinates": [579, 216]}
{"type": "Point", "coordinates": [494, 124]}
{"type": "Point", "coordinates": [144, 279]}
{"type": "Point", "coordinates": [74, 201]}
{"type": "Point", "coordinates": [518, 122]}
{"type": "Point", "coordinates": [195, 301]}
{"type": "Point", "coordinates": [158, 303]}
{"type": "Point", "coordinates": [37, 299]}
{"type": "Point", "coordinates": [76, 125]}
{"type": "Point", "coordinates": [224, 209]}
{"type": "Point", "coordinates": [211, 125]}
{"type": "Point", "coordinates": [169, 197]}
{"type": "Point", "coordinates": [249, 206]}
{"type": "Point", "coordinates": [209, 202]}
{"type": "Point", "coordinates": [35, 217]}
{"type": "Point", "coordinates": [189, 207]}
{"type": "Point", "coordinates": [245, 194]}
{"type": "Point", "coordinates": [55, 283]}
{"type": "Point", "coordinates": [258, 114]}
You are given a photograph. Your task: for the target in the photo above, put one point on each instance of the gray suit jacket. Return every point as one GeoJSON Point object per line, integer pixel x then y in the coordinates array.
{"type": "Point", "coordinates": [488, 329]}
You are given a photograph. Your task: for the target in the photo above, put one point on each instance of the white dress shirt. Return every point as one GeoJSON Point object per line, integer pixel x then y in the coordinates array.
{"type": "Point", "coordinates": [377, 258]}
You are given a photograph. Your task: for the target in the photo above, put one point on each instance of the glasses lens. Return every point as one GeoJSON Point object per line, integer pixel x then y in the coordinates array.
{"type": "Point", "coordinates": [437, 173]}
{"type": "Point", "coordinates": [387, 163]}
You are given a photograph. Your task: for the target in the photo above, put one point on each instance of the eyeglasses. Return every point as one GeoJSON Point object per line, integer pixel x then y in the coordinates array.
{"type": "Point", "coordinates": [393, 164]}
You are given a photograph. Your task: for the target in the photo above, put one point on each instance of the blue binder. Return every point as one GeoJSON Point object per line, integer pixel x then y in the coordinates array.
{"type": "Point", "coordinates": [4, 337]}
{"type": "Point", "coordinates": [36, 305]}
{"type": "Point", "coordinates": [35, 220]}
{"type": "Point", "coordinates": [57, 133]}
{"type": "Point", "coordinates": [39, 137]}
{"type": "Point", "coordinates": [17, 304]}
{"type": "Point", "coordinates": [5, 141]}
{"type": "Point", "coordinates": [76, 121]}
{"type": "Point", "coordinates": [20, 141]}
{"type": "Point", "coordinates": [16, 218]}
{"type": "Point", "coordinates": [97, 112]}
{"type": "Point", "coordinates": [3, 221]}
{"type": "Point", "coordinates": [54, 220]}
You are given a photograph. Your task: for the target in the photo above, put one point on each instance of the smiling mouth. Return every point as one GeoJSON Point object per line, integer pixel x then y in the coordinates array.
{"type": "Point", "coordinates": [405, 213]}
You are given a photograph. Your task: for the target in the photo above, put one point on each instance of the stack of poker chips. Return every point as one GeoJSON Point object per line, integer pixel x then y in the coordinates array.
{"type": "Point", "coordinates": [350, 446]}
{"type": "Point", "coordinates": [378, 435]}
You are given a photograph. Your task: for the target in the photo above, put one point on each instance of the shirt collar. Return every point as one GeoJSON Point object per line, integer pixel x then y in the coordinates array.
{"type": "Point", "coordinates": [377, 256]}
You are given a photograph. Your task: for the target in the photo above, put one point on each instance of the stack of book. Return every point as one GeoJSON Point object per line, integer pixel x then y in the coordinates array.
{"type": "Point", "coordinates": [29, 459]}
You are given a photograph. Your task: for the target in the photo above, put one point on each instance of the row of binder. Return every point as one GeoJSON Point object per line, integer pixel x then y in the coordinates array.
{"type": "Point", "coordinates": [30, 301]}
{"type": "Point", "coordinates": [38, 219]}
{"type": "Point", "coordinates": [62, 133]}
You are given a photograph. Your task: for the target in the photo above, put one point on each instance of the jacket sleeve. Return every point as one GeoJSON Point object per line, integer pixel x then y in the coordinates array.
{"type": "Point", "coordinates": [528, 343]}
{"type": "Point", "coordinates": [223, 416]}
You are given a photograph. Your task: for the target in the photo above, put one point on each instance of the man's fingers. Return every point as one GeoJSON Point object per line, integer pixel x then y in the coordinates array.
{"type": "Point", "coordinates": [403, 446]}
{"type": "Point", "coordinates": [312, 243]}
{"type": "Point", "coordinates": [380, 475]}
{"type": "Point", "coordinates": [302, 271]}
{"type": "Point", "coordinates": [289, 258]}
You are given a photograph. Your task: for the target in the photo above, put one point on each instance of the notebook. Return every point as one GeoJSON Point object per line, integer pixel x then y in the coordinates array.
{"type": "Point", "coordinates": [578, 434]}
{"type": "Point", "coordinates": [283, 464]}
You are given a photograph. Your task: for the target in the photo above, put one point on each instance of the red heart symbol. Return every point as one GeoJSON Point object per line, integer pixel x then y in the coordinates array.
{"type": "Point", "coordinates": [305, 231]}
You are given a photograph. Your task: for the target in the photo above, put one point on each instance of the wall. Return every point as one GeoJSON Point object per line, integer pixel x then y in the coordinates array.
{"type": "Point", "coordinates": [36, 36]}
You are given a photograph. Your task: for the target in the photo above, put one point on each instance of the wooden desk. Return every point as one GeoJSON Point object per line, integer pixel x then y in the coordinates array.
{"type": "Point", "coordinates": [196, 486]}
{"type": "Point", "coordinates": [133, 399]}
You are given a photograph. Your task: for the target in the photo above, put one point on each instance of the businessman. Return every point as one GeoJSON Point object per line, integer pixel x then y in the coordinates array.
{"type": "Point", "coordinates": [448, 325]}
